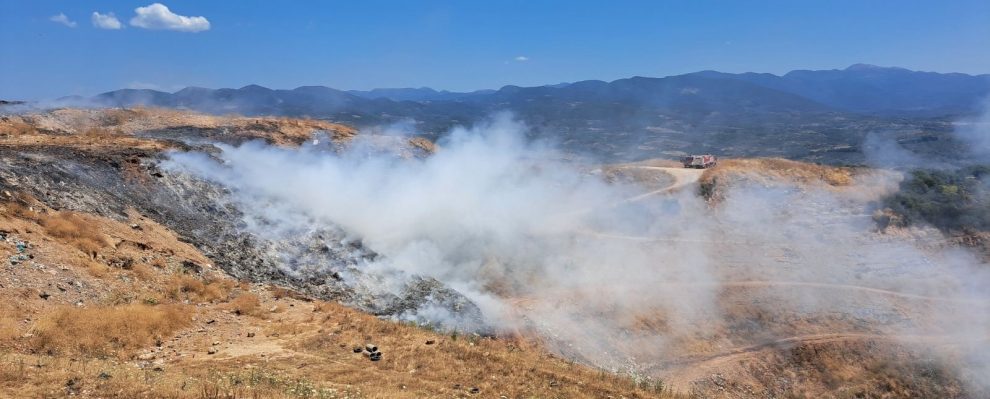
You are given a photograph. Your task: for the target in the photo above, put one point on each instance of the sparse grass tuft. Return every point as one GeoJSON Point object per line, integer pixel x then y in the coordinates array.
{"type": "Point", "coordinates": [97, 269]}
{"type": "Point", "coordinates": [143, 271]}
{"type": "Point", "coordinates": [282, 292]}
{"type": "Point", "coordinates": [10, 315]}
{"type": "Point", "coordinates": [246, 304]}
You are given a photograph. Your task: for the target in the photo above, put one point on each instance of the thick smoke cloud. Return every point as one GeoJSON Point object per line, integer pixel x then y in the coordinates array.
{"type": "Point", "coordinates": [548, 249]}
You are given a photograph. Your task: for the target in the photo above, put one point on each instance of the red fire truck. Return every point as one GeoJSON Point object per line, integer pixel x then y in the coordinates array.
{"type": "Point", "coordinates": [700, 161]}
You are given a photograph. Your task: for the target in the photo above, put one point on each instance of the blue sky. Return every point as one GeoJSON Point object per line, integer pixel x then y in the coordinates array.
{"type": "Point", "coordinates": [465, 45]}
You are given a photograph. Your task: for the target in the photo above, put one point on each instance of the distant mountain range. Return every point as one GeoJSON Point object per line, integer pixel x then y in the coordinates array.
{"type": "Point", "coordinates": [859, 88]}
{"type": "Point", "coordinates": [635, 117]}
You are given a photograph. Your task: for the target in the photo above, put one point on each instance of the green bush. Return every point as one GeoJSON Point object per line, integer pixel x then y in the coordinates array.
{"type": "Point", "coordinates": [952, 200]}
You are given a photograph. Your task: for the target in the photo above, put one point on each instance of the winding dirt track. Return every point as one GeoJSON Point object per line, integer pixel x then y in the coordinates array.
{"type": "Point", "coordinates": [742, 351]}
{"type": "Point", "coordinates": [845, 287]}
{"type": "Point", "coordinates": [683, 177]}
{"type": "Point", "coordinates": [692, 368]}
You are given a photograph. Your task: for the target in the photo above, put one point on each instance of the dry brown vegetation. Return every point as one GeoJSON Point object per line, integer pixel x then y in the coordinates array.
{"type": "Point", "coordinates": [75, 230]}
{"type": "Point", "coordinates": [184, 286]}
{"type": "Point", "coordinates": [107, 331]}
{"type": "Point", "coordinates": [778, 169]}
{"type": "Point", "coordinates": [246, 304]}
{"type": "Point", "coordinates": [771, 172]}
{"type": "Point", "coordinates": [81, 124]}
{"type": "Point", "coordinates": [8, 321]}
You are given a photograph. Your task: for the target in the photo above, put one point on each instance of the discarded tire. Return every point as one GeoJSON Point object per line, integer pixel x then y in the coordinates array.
{"type": "Point", "coordinates": [371, 351]}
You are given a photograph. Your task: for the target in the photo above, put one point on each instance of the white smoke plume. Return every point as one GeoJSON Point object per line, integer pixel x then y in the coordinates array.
{"type": "Point", "coordinates": [882, 151]}
{"type": "Point", "coordinates": [975, 132]}
{"type": "Point", "coordinates": [549, 249]}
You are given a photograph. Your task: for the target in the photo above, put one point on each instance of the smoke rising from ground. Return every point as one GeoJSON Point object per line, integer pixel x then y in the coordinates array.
{"type": "Point", "coordinates": [548, 249]}
{"type": "Point", "coordinates": [976, 132]}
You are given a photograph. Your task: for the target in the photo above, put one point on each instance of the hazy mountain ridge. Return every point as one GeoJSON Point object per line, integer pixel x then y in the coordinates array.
{"type": "Point", "coordinates": [813, 115]}
{"type": "Point", "coordinates": [859, 88]}
{"type": "Point", "coordinates": [866, 88]}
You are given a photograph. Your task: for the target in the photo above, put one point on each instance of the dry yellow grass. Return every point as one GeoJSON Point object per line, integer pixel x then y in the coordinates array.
{"type": "Point", "coordinates": [75, 230]}
{"type": "Point", "coordinates": [97, 269]}
{"type": "Point", "coordinates": [143, 271]}
{"type": "Point", "coordinates": [16, 208]}
{"type": "Point", "coordinates": [246, 304]}
{"type": "Point", "coordinates": [16, 127]}
{"type": "Point", "coordinates": [9, 321]}
{"type": "Point", "coordinates": [184, 286]}
{"type": "Point", "coordinates": [107, 331]}
{"type": "Point", "coordinates": [74, 123]}
{"type": "Point", "coordinates": [769, 169]}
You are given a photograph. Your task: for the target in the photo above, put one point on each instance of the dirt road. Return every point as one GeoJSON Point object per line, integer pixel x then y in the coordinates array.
{"type": "Point", "coordinates": [684, 370]}
{"type": "Point", "coordinates": [683, 177]}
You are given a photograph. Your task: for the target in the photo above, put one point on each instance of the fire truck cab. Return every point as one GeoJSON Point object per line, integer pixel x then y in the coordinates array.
{"type": "Point", "coordinates": [700, 161]}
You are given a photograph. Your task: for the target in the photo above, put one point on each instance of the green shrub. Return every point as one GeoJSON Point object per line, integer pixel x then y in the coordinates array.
{"type": "Point", "coordinates": [952, 200]}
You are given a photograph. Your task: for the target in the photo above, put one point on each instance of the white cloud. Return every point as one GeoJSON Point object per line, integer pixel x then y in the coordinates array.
{"type": "Point", "coordinates": [106, 21]}
{"type": "Point", "coordinates": [62, 19]}
{"type": "Point", "coordinates": [522, 58]}
{"type": "Point", "coordinates": [158, 16]}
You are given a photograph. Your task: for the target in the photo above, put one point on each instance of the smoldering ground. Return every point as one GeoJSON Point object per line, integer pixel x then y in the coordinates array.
{"type": "Point", "coordinates": [547, 250]}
